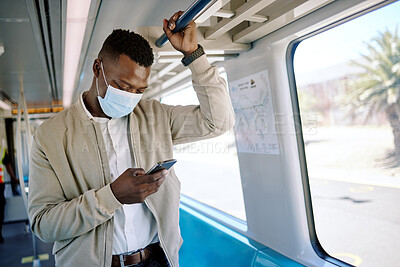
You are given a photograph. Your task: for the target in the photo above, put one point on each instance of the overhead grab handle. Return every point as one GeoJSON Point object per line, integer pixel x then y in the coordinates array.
{"type": "Point", "coordinates": [193, 12]}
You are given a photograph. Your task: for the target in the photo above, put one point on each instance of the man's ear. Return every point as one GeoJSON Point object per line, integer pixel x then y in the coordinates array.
{"type": "Point", "coordinates": [96, 67]}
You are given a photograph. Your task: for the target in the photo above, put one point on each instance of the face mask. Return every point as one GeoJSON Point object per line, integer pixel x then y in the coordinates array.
{"type": "Point", "coordinates": [117, 103]}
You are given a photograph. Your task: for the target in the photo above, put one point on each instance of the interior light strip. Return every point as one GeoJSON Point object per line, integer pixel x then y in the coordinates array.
{"type": "Point", "coordinates": [77, 16]}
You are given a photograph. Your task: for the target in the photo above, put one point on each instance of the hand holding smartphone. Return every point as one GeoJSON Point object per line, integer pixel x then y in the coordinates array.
{"type": "Point", "coordinates": [166, 164]}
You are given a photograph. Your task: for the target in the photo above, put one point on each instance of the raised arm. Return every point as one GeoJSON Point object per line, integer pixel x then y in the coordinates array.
{"type": "Point", "coordinates": [214, 115]}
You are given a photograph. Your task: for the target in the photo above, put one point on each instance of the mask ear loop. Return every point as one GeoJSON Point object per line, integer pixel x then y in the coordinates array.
{"type": "Point", "coordinates": [104, 76]}
{"type": "Point", "coordinates": [97, 79]}
{"type": "Point", "coordinates": [97, 86]}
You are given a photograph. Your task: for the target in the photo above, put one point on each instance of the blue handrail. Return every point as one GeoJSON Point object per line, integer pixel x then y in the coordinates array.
{"type": "Point", "coordinates": [195, 9]}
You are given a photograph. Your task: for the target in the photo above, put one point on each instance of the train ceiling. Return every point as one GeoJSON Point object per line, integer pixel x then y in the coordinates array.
{"type": "Point", "coordinates": [33, 40]}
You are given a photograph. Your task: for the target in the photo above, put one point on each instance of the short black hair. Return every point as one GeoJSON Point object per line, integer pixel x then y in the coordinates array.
{"type": "Point", "coordinates": [128, 43]}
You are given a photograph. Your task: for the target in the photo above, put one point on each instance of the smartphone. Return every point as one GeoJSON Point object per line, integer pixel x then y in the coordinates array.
{"type": "Point", "coordinates": [166, 164]}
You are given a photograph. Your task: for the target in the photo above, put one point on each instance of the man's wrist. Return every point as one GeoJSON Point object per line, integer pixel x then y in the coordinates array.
{"type": "Point", "coordinates": [193, 56]}
{"type": "Point", "coordinates": [114, 192]}
{"type": "Point", "coordinates": [188, 53]}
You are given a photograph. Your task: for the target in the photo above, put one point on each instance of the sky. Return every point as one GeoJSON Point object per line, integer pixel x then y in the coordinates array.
{"type": "Point", "coordinates": [346, 41]}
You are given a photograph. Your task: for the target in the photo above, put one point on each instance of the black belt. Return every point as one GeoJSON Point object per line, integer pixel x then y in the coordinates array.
{"type": "Point", "coordinates": [132, 259]}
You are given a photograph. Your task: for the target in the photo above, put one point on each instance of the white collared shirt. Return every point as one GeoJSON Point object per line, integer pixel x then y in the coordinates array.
{"type": "Point", "coordinates": [134, 225]}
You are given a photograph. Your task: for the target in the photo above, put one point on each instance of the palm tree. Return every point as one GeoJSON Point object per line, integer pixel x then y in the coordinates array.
{"type": "Point", "coordinates": [377, 88]}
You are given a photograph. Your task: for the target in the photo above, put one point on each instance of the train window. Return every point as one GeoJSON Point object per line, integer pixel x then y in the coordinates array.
{"type": "Point", "coordinates": [209, 169]}
{"type": "Point", "coordinates": [348, 78]}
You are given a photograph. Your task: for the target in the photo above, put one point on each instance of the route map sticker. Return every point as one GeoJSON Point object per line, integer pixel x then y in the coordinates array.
{"type": "Point", "coordinates": [255, 122]}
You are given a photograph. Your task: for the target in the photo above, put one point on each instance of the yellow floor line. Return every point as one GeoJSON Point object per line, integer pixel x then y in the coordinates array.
{"type": "Point", "coordinates": [29, 259]}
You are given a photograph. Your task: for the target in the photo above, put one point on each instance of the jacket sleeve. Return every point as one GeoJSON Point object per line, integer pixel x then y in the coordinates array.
{"type": "Point", "coordinates": [53, 217]}
{"type": "Point", "coordinates": [214, 116]}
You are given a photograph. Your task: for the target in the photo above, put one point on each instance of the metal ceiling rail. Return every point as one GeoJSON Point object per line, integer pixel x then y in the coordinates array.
{"type": "Point", "coordinates": [222, 13]}
{"type": "Point", "coordinates": [277, 20]}
{"type": "Point", "coordinates": [164, 71]}
{"type": "Point", "coordinates": [175, 79]}
{"type": "Point", "coordinates": [35, 20]}
{"type": "Point", "coordinates": [42, 9]}
{"type": "Point", "coordinates": [48, 16]}
{"type": "Point", "coordinates": [244, 12]}
{"type": "Point", "coordinates": [171, 83]}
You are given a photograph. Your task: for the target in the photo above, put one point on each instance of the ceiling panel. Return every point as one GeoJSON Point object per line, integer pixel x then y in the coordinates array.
{"type": "Point", "coordinates": [13, 9]}
{"type": "Point", "coordinates": [25, 56]}
{"type": "Point", "coordinates": [33, 34]}
{"type": "Point", "coordinates": [124, 14]}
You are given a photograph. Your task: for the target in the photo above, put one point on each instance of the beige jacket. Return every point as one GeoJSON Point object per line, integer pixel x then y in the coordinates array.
{"type": "Point", "coordinates": [70, 200]}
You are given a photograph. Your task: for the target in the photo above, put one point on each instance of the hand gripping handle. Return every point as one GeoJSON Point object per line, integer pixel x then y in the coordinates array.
{"type": "Point", "coordinates": [195, 10]}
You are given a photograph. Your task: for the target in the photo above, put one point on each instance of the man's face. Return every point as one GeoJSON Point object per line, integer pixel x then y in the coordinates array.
{"type": "Point", "coordinates": [125, 74]}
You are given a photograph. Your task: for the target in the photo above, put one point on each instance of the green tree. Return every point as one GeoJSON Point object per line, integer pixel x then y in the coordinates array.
{"type": "Point", "coordinates": [377, 88]}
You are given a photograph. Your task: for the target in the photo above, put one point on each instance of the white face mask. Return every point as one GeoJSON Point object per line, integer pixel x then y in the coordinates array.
{"type": "Point", "coordinates": [116, 103]}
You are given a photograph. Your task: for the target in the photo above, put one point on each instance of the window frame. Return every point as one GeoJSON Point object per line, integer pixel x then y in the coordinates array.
{"type": "Point", "coordinates": [290, 52]}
